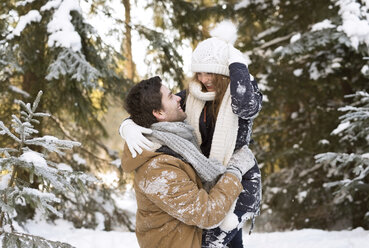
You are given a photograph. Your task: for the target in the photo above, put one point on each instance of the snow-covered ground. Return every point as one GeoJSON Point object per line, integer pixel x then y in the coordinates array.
{"type": "Point", "coordinates": [307, 238]}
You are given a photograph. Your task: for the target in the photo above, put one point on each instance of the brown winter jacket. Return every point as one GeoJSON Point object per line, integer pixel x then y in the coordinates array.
{"type": "Point", "coordinates": [172, 204]}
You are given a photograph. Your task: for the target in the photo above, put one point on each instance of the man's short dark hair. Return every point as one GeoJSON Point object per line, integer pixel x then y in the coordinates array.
{"type": "Point", "coordinates": [142, 99]}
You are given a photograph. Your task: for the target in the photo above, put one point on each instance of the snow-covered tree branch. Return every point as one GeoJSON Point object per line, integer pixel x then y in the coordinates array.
{"type": "Point", "coordinates": [349, 172]}
{"type": "Point", "coordinates": [32, 159]}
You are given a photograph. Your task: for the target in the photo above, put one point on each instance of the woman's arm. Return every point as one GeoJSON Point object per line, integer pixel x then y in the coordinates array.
{"type": "Point", "coordinates": [246, 97]}
{"type": "Point", "coordinates": [133, 135]}
{"type": "Point", "coordinates": [182, 94]}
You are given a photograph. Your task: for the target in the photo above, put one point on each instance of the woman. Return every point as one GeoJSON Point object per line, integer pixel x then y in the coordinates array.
{"type": "Point", "coordinates": [221, 103]}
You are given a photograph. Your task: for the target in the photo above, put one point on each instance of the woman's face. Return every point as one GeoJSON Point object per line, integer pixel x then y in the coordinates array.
{"type": "Point", "coordinates": [207, 80]}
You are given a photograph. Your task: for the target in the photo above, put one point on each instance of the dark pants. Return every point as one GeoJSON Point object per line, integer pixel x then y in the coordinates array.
{"type": "Point", "coordinates": [236, 242]}
{"type": "Point", "coordinates": [217, 238]}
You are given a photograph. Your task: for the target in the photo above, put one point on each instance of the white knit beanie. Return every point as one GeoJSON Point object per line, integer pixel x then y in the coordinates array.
{"type": "Point", "coordinates": [211, 56]}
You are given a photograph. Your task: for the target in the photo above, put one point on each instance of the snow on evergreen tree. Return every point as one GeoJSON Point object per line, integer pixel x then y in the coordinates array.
{"type": "Point", "coordinates": [349, 29]}
{"type": "Point", "coordinates": [48, 45]}
{"type": "Point", "coordinates": [306, 55]}
{"type": "Point", "coordinates": [21, 240]}
{"type": "Point", "coordinates": [348, 172]}
{"type": "Point", "coordinates": [62, 39]}
{"type": "Point", "coordinates": [33, 155]}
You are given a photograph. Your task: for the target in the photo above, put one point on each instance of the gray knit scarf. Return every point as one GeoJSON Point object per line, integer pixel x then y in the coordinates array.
{"type": "Point", "coordinates": [180, 137]}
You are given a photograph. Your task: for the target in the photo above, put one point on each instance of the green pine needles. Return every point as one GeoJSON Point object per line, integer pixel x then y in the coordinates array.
{"type": "Point", "coordinates": [21, 240]}
{"type": "Point", "coordinates": [348, 171]}
{"type": "Point", "coordinates": [30, 177]}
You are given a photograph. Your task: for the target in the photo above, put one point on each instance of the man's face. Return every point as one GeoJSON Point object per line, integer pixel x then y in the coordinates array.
{"type": "Point", "coordinates": [171, 109]}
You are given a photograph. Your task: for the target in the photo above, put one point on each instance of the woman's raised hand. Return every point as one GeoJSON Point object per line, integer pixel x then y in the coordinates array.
{"type": "Point", "coordinates": [235, 55]}
{"type": "Point", "coordinates": [133, 135]}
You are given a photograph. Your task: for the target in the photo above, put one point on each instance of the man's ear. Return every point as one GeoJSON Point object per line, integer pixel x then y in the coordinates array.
{"type": "Point", "coordinates": [159, 115]}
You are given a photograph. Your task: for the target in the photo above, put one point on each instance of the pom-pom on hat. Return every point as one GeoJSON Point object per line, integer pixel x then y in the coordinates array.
{"type": "Point", "coordinates": [211, 55]}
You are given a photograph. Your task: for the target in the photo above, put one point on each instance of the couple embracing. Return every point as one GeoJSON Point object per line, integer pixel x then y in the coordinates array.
{"type": "Point", "coordinates": [196, 180]}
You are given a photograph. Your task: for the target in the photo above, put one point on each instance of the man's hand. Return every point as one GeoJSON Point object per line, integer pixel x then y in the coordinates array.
{"type": "Point", "coordinates": [132, 134]}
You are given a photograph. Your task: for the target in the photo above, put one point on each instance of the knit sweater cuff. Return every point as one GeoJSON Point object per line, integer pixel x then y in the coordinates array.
{"type": "Point", "coordinates": [235, 171]}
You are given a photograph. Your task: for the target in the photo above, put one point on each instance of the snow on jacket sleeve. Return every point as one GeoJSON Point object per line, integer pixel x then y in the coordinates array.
{"type": "Point", "coordinates": [246, 97]}
{"type": "Point", "coordinates": [173, 190]}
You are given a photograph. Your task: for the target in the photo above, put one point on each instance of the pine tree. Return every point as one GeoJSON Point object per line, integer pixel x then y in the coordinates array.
{"type": "Point", "coordinates": [306, 56]}
{"type": "Point", "coordinates": [348, 172]}
{"type": "Point", "coordinates": [47, 45]}
{"type": "Point", "coordinates": [52, 178]}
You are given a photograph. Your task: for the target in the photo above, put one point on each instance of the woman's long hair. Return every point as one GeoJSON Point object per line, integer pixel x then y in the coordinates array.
{"type": "Point", "coordinates": [220, 83]}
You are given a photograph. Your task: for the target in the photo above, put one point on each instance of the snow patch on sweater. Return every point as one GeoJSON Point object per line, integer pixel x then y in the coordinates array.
{"type": "Point", "coordinates": [158, 185]}
{"type": "Point", "coordinates": [241, 89]}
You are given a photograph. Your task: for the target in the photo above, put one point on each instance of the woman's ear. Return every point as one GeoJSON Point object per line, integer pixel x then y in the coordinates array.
{"type": "Point", "coordinates": [159, 115]}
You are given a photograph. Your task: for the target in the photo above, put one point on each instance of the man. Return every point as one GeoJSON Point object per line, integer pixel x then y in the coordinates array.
{"type": "Point", "coordinates": [173, 206]}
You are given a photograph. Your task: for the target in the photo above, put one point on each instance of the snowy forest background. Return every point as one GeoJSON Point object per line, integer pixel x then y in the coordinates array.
{"type": "Point", "coordinates": [62, 82]}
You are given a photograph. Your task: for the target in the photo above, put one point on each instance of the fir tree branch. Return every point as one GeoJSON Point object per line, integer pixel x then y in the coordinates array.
{"type": "Point", "coordinates": [68, 135]}
{"type": "Point", "coordinates": [274, 41]}
{"type": "Point", "coordinates": [6, 130]}
{"type": "Point", "coordinates": [37, 101]}
{"type": "Point", "coordinates": [29, 240]}
{"type": "Point", "coordinates": [7, 150]}
{"type": "Point", "coordinates": [5, 197]}
{"type": "Point", "coordinates": [27, 107]}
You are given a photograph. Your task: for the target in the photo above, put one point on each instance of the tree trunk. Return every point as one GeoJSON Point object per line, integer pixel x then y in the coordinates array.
{"type": "Point", "coordinates": [129, 65]}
